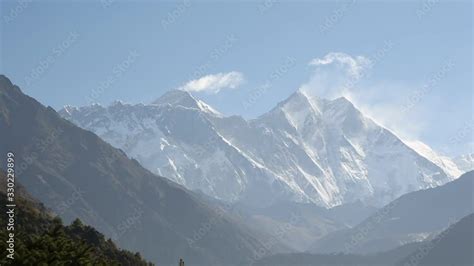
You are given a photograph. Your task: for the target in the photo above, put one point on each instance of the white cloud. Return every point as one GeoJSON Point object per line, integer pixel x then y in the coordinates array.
{"type": "Point", "coordinates": [215, 82]}
{"type": "Point", "coordinates": [336, 74]}
{"type": "Point", "coordinates": [339, 74]}
{"type": "Point", "coordinates": [354, 66]}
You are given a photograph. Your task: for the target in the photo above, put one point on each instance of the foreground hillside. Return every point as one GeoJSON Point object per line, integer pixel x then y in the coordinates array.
{"type": "Point", "coordinates": [454, 246]}
{"type": "Point", "coordinates": [76, 174]}
{"type": "Point", "coordinates": [42, 239]}
{"type": "Point", "coordinates": [412, 217]}
{"type": "Point", "coordinates": [451, 247]}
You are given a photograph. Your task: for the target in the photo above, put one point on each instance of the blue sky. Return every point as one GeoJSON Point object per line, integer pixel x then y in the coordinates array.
{"type": "Point", "coordinates": [252, 55]}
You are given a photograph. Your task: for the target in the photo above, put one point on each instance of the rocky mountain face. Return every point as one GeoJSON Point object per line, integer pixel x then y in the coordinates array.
{"type": "Point", "coordinates": [306, 149]}
{"type": "Point", "coordinates": [78, 175]}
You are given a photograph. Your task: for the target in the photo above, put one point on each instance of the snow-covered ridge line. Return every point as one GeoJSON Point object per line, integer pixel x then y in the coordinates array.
{"type": "Point", "coordinates": [446, 163]}
{"type": "Point", "coordinates": [306, 149]}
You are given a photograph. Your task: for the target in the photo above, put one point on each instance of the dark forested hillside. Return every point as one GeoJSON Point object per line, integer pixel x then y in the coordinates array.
{"type": "Point", "coordinates": [42, 239]}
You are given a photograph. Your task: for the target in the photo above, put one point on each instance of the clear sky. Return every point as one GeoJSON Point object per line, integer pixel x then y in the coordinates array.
{"type": "Point", "coordinates": [410, 63]}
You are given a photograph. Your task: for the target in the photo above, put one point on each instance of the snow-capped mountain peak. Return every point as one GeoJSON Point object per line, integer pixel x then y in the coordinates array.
{"type": "Point", "coordinates": [306, 149]}
{"type": "Point", "coordinates": [185, 99]}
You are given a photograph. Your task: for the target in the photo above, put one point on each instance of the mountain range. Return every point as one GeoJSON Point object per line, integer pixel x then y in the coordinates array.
{"type": "Point", "coordinates": [307, 176]}
{"type": "Point", "coordinates": [306, 149]}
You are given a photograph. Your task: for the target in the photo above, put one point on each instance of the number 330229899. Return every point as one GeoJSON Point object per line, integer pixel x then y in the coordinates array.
{"type": "Point", "coordinates": [10, 176]}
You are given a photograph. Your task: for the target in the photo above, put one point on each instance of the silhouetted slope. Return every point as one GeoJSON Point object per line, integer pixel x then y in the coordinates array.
{"type": "Point", "coordinates": [388, 258]}
{"type": "Point", "coordinates": [41, 239]}
{"type": "Point", "coordinates": [76, 174]}
{"type": "Point", "coordinates": [298, 225]}
{"type": "Point", "coordinates": [454, 246]}
{"type": "Point", "coordinates": [412, 217]}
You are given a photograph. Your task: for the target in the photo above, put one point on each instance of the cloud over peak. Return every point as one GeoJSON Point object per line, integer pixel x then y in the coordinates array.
{"type": "Point", "coordinates": [214, 83]}
{"type": "Point", "coordinates": [339, 74]}
{"type": "Point", "coordinates": [354, 66]}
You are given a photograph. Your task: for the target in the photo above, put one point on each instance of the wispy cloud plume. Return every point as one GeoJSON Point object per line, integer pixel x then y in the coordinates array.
{"type": "Point", "coordinates": [354, 66]}
{"type": "Point", "coordinates": [336, 74]}
{"type": "Point", "coordinates": [214, 83]}
{"type": "Point", "coordinates": [339, 74]}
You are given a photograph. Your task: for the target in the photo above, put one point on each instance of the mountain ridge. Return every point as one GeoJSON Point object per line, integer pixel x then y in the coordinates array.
{"type": "Point", "coordinates": [412, 217]}
{"type": "Point", "coordinates": [306, 149]}
{"type": "Point", "coordinates": [452, 246]}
